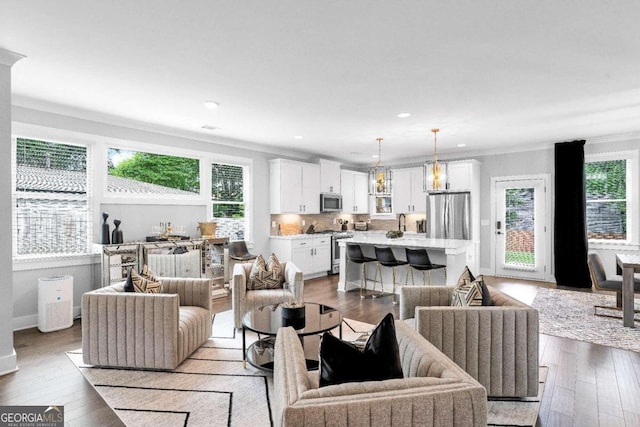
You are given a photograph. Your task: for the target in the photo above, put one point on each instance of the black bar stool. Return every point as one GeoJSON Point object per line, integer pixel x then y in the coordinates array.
{"type": "Point", "coordinates": [354, 254]}
{"type": "Point", "coordinates": [385, 258]}
{"type": "Point", "coordinates": [419, 259]}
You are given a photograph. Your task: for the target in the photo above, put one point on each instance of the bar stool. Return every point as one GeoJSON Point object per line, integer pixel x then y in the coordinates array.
{"type": "Point", "coordinates": [354, 254]}
{"type": "Point", "coordinates": [419, 259]}
{"type": "Point", "coordinates": [385, 258]}
{"type": "Point", "coordinates": [238, 253]}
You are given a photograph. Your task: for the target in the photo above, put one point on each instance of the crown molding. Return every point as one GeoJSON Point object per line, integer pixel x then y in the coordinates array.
{"type": "Point", "coordinates": [8, 58]}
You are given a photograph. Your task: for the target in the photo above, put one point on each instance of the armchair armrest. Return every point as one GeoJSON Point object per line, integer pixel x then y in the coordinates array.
{"type": "Point", "coordinates": [238, 287]}
{"type": "Point", "coordinates": [116, 327]}
{"type": "Point", "coordinates": [417, 296]}
{"type": "Point", "coordinates": [192, 291]}
{"type": "Point", "coordinates": [292, 274]}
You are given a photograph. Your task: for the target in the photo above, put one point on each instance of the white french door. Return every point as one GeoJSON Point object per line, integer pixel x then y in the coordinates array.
{"type": "Point", "coordinates": [520, 227]}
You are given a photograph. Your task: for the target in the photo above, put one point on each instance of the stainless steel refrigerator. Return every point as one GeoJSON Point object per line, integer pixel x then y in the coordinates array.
{"type": "Point", "coordinates": [449, 215]}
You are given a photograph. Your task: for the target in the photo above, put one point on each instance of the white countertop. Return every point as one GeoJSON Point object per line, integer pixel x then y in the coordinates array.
{"type": "Point", "coordinates": [414, 240]}
{"type": "Point", "coordinates": [299, 236]}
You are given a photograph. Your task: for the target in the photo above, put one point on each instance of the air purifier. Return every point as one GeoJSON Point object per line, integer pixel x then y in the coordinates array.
{"type": "Point", "coordinates": [55, 303]}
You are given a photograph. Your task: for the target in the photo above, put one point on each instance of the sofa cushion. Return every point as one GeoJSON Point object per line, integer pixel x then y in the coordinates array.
{"type": "Point", "coordinates": [265, 275]}
{"type": "Point", "coordinates": [342, 362]}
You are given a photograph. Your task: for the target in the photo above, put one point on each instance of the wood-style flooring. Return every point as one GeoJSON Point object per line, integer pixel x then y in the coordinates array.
{"type": "Point", "coordinates": [588, 384]}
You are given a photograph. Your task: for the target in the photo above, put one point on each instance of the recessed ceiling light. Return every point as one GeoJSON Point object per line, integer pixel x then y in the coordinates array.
{"type": "Point", "coordinates": [462, 145]}
{"type": "Point", "coordinates": [210, 127]}
{"type": "Point", "coordinates": [211, 105]}
{"type": "Point", "coordinates": [375, 156]}
{"type": "Point", "coordinates": [403, 115]}
{"type": "Point", "coordinates": [297, 137]}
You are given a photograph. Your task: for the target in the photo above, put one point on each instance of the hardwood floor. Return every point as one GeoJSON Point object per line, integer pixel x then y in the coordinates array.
{"type": "Point", "coordinates": [588, 384]}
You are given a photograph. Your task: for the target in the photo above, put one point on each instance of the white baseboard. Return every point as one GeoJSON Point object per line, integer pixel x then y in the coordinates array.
{"type": "Point", "coordinates": [31, 321]}
{"type": "Point", "coordinates": [8, 363]}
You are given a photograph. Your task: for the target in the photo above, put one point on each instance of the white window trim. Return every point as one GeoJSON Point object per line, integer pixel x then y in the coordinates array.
{"type": "Point", "coordinates": [172, 199]}
{"type": "Point", "coordinates": [633, 204]}
{"type": "Point", "coordinates": [38, 260]}
{"type": "Point", "coordinates": [248, 171]}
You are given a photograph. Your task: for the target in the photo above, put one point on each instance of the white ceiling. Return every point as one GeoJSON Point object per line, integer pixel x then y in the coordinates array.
{"type": "Point", "coordinates": [489, 74]}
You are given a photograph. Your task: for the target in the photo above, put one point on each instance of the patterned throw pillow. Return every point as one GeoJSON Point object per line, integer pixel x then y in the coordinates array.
{"type": "Point", "coordinates": [468, 276]}
{"type": "Point", "coordinates": [148, 274]}
{"type": "Point", "coordinates": [265, 275]}
{"type": "Point", "coordinates": [469, 294]}
{"type": "Point", "coordinates": [142, 284]}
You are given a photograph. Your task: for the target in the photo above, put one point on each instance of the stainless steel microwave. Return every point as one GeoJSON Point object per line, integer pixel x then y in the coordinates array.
{"type": "Point", "coordinates": [330, 202]}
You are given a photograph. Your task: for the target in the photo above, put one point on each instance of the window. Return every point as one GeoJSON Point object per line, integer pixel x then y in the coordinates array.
{"type": "Point", "coordinates": [51, 199]}
{"type": "Point", "coordinates": [609, 196]}
{"type": "Point", "coordinates": [137, 172]}
{"type": "Point", "coordinates": [228, 197]}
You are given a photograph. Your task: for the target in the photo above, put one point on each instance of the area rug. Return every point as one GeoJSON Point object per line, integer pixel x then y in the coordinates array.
{"type": "Point", "coordinates": [211, 387]}
{"type": "Point", "coordinates": [570, 314]}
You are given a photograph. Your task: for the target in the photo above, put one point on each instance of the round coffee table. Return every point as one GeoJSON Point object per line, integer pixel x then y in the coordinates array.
{"type": "Point", "coordinates": [266, 320]}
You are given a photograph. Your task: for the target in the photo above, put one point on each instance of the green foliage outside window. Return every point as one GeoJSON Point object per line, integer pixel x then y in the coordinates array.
{"type": "Point", "coordinates": [168, 171]}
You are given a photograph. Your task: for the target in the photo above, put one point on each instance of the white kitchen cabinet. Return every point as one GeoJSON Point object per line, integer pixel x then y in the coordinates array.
{"type": "Point", "coordinates": [329, 176]}
{"type": "Point", "coordinates": [460, 175]}
{"type": "Point", "coordinates": [311, 254]}
{"type": "Point", "coordinates": [355, 198]}
{"type": "Point", "coordinates": [408, 193]}
{"type": "Point", "coordinates": [295, 187]}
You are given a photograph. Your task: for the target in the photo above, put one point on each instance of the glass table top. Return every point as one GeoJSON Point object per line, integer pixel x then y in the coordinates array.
{"type": "Point", "coordinates": [268, 319]}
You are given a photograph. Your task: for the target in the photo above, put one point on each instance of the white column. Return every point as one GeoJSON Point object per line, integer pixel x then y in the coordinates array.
{"type": "Point", "coordinates": [8, 360]}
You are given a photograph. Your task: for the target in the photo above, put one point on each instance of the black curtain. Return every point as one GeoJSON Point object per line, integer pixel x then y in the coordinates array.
{"type": "Point", "coordinates": [570, 230]}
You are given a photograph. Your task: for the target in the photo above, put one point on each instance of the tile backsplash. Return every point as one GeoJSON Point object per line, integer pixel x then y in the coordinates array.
{"type": "Point", "coordinates": [332, 222]}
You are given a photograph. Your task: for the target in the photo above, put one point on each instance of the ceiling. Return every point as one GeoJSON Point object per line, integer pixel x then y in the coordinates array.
{"type": "Point", "coordinates": [490, 74]}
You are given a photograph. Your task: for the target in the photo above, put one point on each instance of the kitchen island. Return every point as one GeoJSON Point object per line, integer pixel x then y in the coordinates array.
{"type": "Point", "coordinates": [455, 254]}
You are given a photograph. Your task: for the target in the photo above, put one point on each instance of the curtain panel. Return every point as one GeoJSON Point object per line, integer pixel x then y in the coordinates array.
{"type": "Point", "coordinates": [570, 230]}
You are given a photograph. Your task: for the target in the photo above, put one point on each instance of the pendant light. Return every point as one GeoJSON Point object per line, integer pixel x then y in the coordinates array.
{"type": "Point", "coordinates": [380, 177]}
{"type": "Point", "coordinates": [434, 171]}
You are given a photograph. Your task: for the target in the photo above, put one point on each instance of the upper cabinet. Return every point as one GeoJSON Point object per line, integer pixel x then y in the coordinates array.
{"type": "Point", "coordinates": [329, 176]}
{"type": "Point", "coordinates": [461, 175]}
{"type": "Point", "coordinates": [295, 187]}
{"type": "Point", "coordinates": [408, 191]}
{"type": "Point", "coordinates": [354, 190]}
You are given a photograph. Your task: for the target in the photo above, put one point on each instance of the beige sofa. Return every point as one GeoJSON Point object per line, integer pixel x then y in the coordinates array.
{"type": "Point", "coordinates": [146, 331]}
{"type": "Point", "coordinates": [435, 391]}
{"type": "Point", "coordinates": [497, 345]}
{"type": "Point", "coordinates": [243, 300]}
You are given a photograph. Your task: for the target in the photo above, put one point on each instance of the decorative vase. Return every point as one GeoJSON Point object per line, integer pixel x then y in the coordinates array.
{"type": "Point", "coordinates": [104, 236]}
{"type": "Point", "coordinates": [116, 236]}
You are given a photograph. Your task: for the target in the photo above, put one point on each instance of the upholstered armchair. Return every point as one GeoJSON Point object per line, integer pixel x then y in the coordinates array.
{"type": "Point", "coordinates": [146, 330]}
{"type": "Point", "coordinates": [433, 392]}
{"type": "Point", "coordinates": [497, 345]}
{"type": "Point", "coordinates": [243, 300]}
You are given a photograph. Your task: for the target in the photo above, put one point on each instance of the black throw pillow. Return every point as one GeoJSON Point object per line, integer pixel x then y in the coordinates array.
{"type": "Point", "coordinates": [342, 362]}
{"type": "Point", "coordinates": [128, 285]}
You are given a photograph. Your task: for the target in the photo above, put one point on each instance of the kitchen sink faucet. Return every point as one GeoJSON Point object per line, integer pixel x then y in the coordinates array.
{"type": "Point", "coordinates": [402, 222]}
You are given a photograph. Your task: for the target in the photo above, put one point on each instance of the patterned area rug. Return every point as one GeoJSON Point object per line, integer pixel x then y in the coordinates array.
{"type": "Point", "coordinates": [570, 314]}
{"type": "Point", "coordinates": [211, 388]}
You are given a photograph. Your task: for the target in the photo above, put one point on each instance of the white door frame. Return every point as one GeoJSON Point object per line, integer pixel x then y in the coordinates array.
{"type": "Point", "coordinates": [548, 248]}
